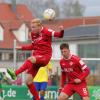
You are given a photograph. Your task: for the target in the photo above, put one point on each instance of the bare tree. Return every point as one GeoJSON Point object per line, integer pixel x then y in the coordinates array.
{"type": "Point", "coordinates": [77, 9]}
{"type": "Point", "coordinates": [63, 8]}
{"type": "Point", "coordinates": [72, 9]}
{"type": "Point", "coordinates": [37, 6]}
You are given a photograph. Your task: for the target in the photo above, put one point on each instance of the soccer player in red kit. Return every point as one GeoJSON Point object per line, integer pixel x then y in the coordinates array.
{"type": "Point", "coordinates": [76, 71]}
{"type": "Point", "coordinates": [41, 52]}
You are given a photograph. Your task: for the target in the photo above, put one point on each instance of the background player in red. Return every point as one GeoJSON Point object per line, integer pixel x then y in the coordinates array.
{"type": "Point", "coordinates": [76, 71]}
{"type": "Point", "coordinates": [41, 52]}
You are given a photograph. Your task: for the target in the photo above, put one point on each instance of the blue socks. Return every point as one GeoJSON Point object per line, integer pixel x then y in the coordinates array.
{"type": "Point", "coordinates": [41, 97]}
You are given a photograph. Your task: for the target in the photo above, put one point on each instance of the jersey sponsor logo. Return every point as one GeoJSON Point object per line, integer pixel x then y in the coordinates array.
{"type": "Point", "coordinates": [68, 69]}
{"type": "Point", "coordinates": [37, 39]}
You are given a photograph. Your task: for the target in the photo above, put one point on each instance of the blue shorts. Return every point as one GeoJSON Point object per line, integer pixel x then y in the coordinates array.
{"type": "Point", "coordinates": [41, 85]}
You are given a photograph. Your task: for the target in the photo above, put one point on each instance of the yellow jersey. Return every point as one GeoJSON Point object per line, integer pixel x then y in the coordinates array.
{"type": "Point", "coordinates": [42, 74]}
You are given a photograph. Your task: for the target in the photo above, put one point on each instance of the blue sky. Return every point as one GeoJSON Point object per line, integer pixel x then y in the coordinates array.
{"type": "Point", "coordinates": [92, 7]}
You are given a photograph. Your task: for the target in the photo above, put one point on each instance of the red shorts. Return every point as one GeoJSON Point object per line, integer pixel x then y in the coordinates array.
{"type": "Point", "coordinates": [41, 60]}
{"type": "Point", "coordinates": [81, 89]}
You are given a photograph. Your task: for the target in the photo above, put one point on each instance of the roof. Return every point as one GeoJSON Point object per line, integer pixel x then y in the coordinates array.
{"type": "Point", "coordinates": [82, 32]}
{"type": "Point", "coordinates": [11, 20]}
{"type": "Point", "coordinates": [77, 28]}
{"type": "Point", "coordinates": [72, 22]}
{"type": "Point", "coordinates": [22, 12]}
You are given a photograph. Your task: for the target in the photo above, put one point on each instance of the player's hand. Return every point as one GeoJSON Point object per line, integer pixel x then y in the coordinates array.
{"type": "Point", "coordinates": [77, 80]}
{"type": "Point", "coordinates": [18, 47]}
{"type": "Point", "coordinates": [61, 28]}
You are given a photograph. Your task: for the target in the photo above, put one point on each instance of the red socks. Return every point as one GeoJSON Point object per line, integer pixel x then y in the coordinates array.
{"type": "Point", "coordinates": [27, 64]}
{"type": "Point", "coordinates": [33, 91]}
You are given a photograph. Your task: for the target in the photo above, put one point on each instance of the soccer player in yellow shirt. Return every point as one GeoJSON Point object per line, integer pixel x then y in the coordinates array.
{"type": "Point", "coordinates": [41, 79]}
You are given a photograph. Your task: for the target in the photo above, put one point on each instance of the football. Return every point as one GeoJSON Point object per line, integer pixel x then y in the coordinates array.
{"type": "Point", "coordinates": [49, 14]}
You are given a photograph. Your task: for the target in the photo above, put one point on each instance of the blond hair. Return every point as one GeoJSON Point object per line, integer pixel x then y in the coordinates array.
{"type": "Point", "coordinates": [37, 21]}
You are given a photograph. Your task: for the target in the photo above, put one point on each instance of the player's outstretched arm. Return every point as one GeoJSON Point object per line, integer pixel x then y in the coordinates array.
{"type": "Point", "coordinates": [27, 47]}
{"type": "Point", "coordinates": [57, 34]}
{"type": "Point", "coordinates": [60, 33]}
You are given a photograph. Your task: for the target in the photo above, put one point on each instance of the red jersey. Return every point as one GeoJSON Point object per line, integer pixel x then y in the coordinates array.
{"type": "Point", "coordinates": [73, 68]}
{"type": "Point", "coordinates": [41, 43]}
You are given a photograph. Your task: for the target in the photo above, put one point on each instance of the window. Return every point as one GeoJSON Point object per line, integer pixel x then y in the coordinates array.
{"type": "Point", "coordinates": [22, 33]}
{"type": "Point", "coordinates": [28, 54]}
{"type": "Point", "coordinates": [10, 56]}
{"type": "Point", "coordinates": [89, 50]}
{"type": "Point", "coordinates": [5, 56]}
{"type": "Point", "coordinates": [21, 56]}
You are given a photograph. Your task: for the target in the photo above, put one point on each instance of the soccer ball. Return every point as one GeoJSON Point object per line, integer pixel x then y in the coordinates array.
{"type": "Point", "coordinates": [49, 14]}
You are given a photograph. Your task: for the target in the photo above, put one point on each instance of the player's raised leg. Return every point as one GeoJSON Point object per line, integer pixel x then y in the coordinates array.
{"type": "Point", "coordinates": [27, 65]}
